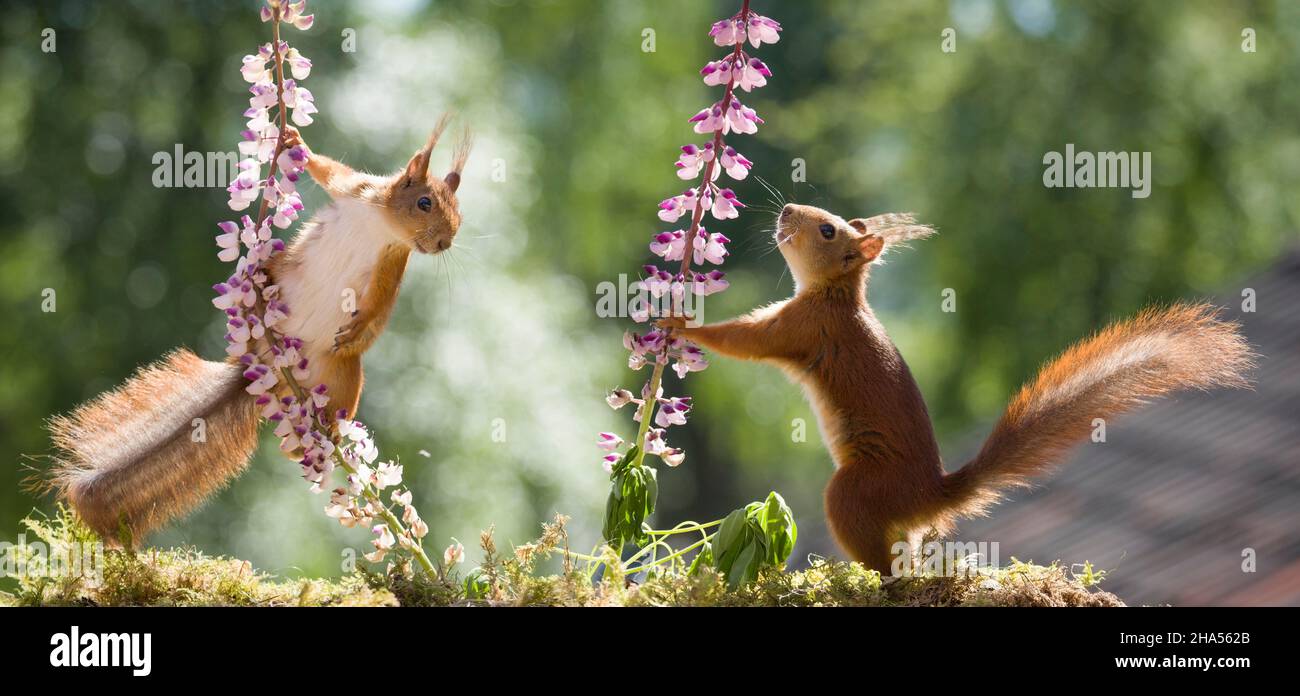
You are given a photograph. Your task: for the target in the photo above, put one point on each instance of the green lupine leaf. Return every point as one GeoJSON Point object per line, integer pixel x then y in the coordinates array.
{"type": "Point", "coordinates": [702, 559]}
{"type": "Point", "coordinates": [744, 570]}
{"type": "Point", "coordinates": [779, 529]}
{"type": "Point", "coordinates": [652, 490]}
{"type": "Point", "coordinates": [751, 538]}
{"type": "Point", "coordinates": [725, 542]}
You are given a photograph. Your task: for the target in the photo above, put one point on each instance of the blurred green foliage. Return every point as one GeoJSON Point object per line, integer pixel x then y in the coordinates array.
{"type": "Point", "coordinates": [488, 384]}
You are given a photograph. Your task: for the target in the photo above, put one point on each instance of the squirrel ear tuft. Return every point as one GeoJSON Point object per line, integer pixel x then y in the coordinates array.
{"type": "Point", "coordinates": [893, 229]}
{"type": "Point", "coordinates": [418, 168]}
{"type": "Point", "coordinates": [458, 159]}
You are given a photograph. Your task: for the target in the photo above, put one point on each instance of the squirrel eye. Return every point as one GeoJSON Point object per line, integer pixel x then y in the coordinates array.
{"type": "Point", "coordinates": [424, 203]}
{"type": "Point", "coordinates": [827, 230]}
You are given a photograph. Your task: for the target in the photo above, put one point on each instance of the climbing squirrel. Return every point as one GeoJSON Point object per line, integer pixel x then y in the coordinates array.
{"type": "Point", "coordinates": [128, 457]}
{"type": "Point", "coordinates": [889, 483]}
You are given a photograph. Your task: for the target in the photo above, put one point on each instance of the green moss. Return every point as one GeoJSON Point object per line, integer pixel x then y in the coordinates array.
{"type": "Point", "coordinates": [837, 583]}
{"type": "Point", "coordinates": [171, 577]}
{"type": "Point", "coordinates": [187, 577]}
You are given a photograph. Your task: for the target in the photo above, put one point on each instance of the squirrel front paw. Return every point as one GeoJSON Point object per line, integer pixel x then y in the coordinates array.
{"type": "Point", "coordinates": [674, 322]}
{"type": "Point", "coordinates": [292, 138]}
{"type": "Point", "coordinates": [352, 334]}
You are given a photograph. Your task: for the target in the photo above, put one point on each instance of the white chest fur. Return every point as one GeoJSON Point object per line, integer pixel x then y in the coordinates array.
{"type": "Point", "coordinates": [339, 248]}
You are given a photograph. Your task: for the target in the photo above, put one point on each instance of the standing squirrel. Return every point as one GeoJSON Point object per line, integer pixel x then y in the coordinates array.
{"type": "Point", "coordinates": [127, 456]}
{"type": "Point", "coordinates": [889, 483]}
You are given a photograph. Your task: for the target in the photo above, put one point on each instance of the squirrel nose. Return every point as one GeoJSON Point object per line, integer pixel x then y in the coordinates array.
{"type": "Point", "coordinates": [788, 210]}
{"type": "Point", "coordinates": [443, 244]}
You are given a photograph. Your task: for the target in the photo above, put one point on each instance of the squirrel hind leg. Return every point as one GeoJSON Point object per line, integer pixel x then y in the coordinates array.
{"type": "Point", "coordinates": [865, 531]}
{"type": "Point", "coordinates": [344, 378]}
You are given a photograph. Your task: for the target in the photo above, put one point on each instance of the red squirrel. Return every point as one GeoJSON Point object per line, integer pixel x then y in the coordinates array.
{"type": "Point", "coordinates": [889, 483]}
{"type": "Point", "coordinates": [129, 457]}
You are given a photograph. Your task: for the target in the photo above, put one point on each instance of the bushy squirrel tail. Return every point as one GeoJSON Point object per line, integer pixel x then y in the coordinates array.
{"type": "Point", "coordinates": [1162, 350]}
{"type": "Point", "coordinates": [155, 447]}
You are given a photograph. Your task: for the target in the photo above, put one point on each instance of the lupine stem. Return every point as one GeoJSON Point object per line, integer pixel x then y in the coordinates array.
{"type": "Point", "coordinates": [647, 549]}
{"type": "Point", "coordinates": [667, 558]}
{"type": "Point", "coordinates": [648, 409]}
{"type": "Point", "coordinates": [279, 93]}
{"type": "Point", "coordinates": [683, 530]}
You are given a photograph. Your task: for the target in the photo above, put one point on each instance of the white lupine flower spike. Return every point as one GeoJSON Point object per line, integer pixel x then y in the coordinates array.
{"type": "Point", "coordinates": [273, 362]}
{"type": "Point", "coordinates": [669, 293]}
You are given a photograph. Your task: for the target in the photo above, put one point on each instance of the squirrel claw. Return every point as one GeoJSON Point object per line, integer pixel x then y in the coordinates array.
{"type": "Point", "coordinates": [349, 333]}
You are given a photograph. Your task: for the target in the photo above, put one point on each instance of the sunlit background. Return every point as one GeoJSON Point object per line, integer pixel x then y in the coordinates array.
{"type": "Point", "coordinates": [500, 336]}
